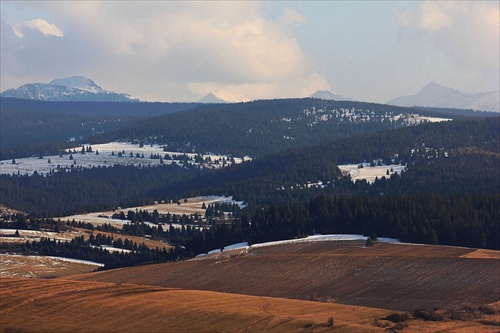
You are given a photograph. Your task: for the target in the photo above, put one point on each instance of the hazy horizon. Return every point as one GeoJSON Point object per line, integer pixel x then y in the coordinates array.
{"type": "Point", "coordinates": [181, 51]}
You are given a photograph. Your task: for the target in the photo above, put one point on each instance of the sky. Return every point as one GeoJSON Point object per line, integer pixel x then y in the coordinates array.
{"type": "Point", "coordinates": [179, 51]}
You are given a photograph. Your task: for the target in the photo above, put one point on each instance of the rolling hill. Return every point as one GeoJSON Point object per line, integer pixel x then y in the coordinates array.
{"type": "Point", "coordinates": [142, 298]}
{"type": "Point", "coordinates": [31, 127]}
{"type": "Point", "coordinates": [71, 306]}
{"type": "Point", "coordinates": [263, 127]}
{"type": "Point", "coordinates": [392, 276]}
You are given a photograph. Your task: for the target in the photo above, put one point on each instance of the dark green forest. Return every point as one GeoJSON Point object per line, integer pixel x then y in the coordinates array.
{"type": "Point", "coordinates": [257, 128]}
{"type": "Point", "coordinates": [269, 126]}
{"type": "Point", "coordinates": [44, 128]}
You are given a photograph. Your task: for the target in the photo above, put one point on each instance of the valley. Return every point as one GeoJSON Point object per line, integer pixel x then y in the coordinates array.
{"type": "Point", "coordinates": [248, 166]}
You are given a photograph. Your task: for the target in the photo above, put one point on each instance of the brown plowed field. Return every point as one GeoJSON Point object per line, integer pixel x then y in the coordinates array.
{"type": "Point", "coordinates": [30, 305]}
{"type": "Point", "coordinates": [391, 276]}
{"type": "Point", "coordinates": [34, 305]}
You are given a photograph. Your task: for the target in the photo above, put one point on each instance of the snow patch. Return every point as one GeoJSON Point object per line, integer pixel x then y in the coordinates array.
{"type": "Point", "coordinates": [322, 238]}
{"type": "Point", "coordinates": [309, 239]}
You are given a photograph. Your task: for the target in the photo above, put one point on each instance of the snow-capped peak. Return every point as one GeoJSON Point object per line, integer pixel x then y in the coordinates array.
{"type": "Point", "coordinates": [79, 82]}
{"type": "Point", "coordinates": [436, 95]}
{"type": "Point", "coordinates": [329, 95]}
{"type": "Point", "coordinates": [222, 96]}
{"type": "Point", "coordinates": [75, 88]}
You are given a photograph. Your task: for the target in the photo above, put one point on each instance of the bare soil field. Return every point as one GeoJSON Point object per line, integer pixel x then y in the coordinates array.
{"type": "Point", "coordinates": [29, 305]}
{"type": "Point", "coordinates": [400, 277]}
{"type": "Point", "coordinates": [40, 266]}
{"type": "Point", "coordinates": [482, 253]}
{"type": "Point", "coordinates": [33, 305]}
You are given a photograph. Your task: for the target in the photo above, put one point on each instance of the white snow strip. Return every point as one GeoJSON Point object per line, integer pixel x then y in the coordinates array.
{"type": "Point", "coordinates": [320, 238]}
{"type": "Point", "coordinates": [236, 246]}
{"type": "Point", "coordinates": [315, 238]}
{"type": "Point", "coordinates": [111, 248]}
{"type": "Point", "coordinates": [86, 262]}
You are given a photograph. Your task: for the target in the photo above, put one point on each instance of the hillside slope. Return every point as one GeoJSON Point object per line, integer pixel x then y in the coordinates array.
{"type": "Point", "coordinates": [70, 306]}
{"type": "Point", "coordinates": [393, 276]}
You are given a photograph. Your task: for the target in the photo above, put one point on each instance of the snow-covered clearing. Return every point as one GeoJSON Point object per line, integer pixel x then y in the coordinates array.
{"type": "Point", "coordinates": [110, 154]}
{"type": "Point", "coordinates": [369, 173]}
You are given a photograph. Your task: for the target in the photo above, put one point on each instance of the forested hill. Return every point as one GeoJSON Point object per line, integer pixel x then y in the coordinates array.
{"type": "Point", "coordinates": [262, 127]}
{"type": "Point", "coordinates": [448, 157]}
{"type": "Point", "coordinates": [43, 128]}
{"type": "Point", "coordinates": [135, 109]}
{"type": "Point", "coordinates": [448, 195]}
{"type": "Point", "coordinates": [38, 127]}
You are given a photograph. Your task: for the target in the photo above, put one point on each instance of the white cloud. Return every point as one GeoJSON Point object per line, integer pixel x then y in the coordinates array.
{"type": "Point", "coordinates": [467, 32]}
{"type": "Point", "coordinates": [46, 28]}
{"type": "Point", "coordinates": [436, 16]}
{"type": "Point", "coordinates": [159, 45]}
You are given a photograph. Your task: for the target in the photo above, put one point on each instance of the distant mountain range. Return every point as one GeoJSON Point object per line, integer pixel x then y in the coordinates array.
{"type": "Point", "coordinates": [328, 95]}
{"type": "Point", "coordinates": [71, 89]}
{"type": "Point", "coordinates": [222, 96]}
{"type": "Point", "coordinates": [436, 95]}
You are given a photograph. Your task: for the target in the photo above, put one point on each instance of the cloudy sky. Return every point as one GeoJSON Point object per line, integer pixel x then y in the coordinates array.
{"type": "Point", "coordinates": [180, 51]}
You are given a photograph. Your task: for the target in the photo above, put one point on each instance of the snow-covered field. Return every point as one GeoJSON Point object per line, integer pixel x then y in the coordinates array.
{"type": "Point", "coordinates": [369, 173]}
{"type": "Point", "coordinates": [107, 155]}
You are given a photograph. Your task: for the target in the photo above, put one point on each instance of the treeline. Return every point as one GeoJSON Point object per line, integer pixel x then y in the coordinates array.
{"type": "Point", "coordinates": [95, 189]}
{"type": "Point", "coordinates": [79, 248]}
{"type": "Point", "coordinates": [469, 220]}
